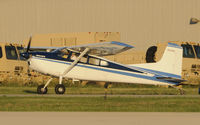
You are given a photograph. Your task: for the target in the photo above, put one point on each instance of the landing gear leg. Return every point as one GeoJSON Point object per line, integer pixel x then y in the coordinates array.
{"type": "Point", "coordinates": [180, 89]}
{"type": "Point", "coordinates": [182, 92]}
{"type": "Point", "coordinates": [42, 89]}
{"type": "Point", "coordinates": [60, 88]}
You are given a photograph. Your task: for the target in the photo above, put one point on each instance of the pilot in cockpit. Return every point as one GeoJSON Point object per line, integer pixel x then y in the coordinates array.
{"type": "Point", "coordinates": [73, 56]}
{"type": "Point", "coordinates": [65, 53]}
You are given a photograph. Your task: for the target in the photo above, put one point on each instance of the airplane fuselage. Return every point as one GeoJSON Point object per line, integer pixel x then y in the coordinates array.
{"type": "Point", "coordinates": [91, 68]}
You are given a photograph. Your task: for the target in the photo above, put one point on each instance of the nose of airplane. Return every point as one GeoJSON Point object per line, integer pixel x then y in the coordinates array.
{"type": "Point", "coordinates": [26, 55]}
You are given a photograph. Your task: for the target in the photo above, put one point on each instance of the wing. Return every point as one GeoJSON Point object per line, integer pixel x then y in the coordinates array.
{"type": "Point", "coordinates": [102, 49]}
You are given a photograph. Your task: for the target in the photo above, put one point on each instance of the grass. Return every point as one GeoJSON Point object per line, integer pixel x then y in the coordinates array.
{"type": "Point", "coordinates": [100, 90]}
{"type": "Point", "coordinates": [93, 104]}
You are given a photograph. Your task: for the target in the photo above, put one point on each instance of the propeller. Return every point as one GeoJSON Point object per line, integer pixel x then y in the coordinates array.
{"type": "Point", "coordinates": [26, 54]}
{"type": "Point", "coordinates": [29, 44]}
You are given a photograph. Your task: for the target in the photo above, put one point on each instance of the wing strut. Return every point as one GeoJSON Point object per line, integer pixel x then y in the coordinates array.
{"type": "Point", "coordinates": [72, 65]}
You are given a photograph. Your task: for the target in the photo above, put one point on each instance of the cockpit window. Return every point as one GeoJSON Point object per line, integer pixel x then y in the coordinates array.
{"type": "Point", "coordinates": [83, 60]}
{"type": "Point", "coordinates": [0, 52]}
{"type": "Point", "coordinates": [188, 51]}
{"type": "Point", "coordinates": [103, 63]}
{"type": "Point", "coordinates": [197, 50]}
{"type": "Point", "coordinates": [64, 53]}
{"type": "Point", "coordinates": [94, 61]}
{"type": "Point", "coordinates": [11, 52]}
{"type": "Point", "coordinates": [21, 50]}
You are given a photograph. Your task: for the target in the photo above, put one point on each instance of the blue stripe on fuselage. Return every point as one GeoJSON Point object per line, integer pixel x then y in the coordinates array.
{"type": "Point", "coordinates": [112, 71]}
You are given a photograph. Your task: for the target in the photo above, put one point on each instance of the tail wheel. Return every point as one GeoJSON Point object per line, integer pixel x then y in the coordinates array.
{"type": "Point", "coordinates": [42, 90]}
{"type": "Point", "coordinates": [60, 89]}
{"type": "Point", "coordinates": [182, 92]}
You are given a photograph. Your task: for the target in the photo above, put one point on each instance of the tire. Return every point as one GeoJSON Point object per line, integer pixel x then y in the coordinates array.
{"type": "Point", "coordinates": [41, 90]}
{"type": "Point", "coordinates": [60, 89]}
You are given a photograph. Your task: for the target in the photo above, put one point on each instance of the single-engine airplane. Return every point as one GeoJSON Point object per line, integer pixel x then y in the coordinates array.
{"type": "Point", "coordinates": [83, 62]}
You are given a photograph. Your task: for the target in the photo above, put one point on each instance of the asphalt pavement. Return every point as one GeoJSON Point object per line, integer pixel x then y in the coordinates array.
{"type": "Point", "coordinates": [98, 118]}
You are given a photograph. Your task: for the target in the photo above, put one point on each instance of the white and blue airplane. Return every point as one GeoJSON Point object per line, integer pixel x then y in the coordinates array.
{"type": "Point", "coordinates": [83, 62]}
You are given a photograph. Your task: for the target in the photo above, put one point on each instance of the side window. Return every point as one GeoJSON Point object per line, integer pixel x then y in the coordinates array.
{"type": "Point", "coordinates": [11, 52]}
{"type": "Point", "coordinates": [94, 61]}
{"type": "Point", "coordinates": [188, 51]}
{"type": "Point", "coordinates": [83, 60]}
{"type": "Point", "coordinates": [74, 56]}
{"type": "Point", "coordinates": [1, 52]}
{"type": "Point", "coordinates": [103, 63]}
{"type": "Point", "coordinates": [197, 50]}
{"type": "Point", "coordinates": [21, 50]}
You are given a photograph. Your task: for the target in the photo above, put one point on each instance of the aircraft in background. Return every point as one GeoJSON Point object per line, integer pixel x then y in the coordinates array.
{"type": "Point", "coordinates": [83, 62]}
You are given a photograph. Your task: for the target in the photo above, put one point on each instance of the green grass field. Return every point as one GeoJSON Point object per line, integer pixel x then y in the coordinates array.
{"type": "Point", "coordinates": [100, 90]}
{"type": "Point", "coordinates": [93, 104]}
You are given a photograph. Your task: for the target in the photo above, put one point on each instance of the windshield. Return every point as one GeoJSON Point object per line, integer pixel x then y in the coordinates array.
{"type": "Point", "coordinates": [188, 51]}
{"type": "Point", "coordinates": [197, 50]}
{"type": "Point", "coordinates": [64, 53]}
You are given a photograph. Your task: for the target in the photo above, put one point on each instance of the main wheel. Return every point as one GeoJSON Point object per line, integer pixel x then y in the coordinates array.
{"type": "Point", "coordinates": [42, 90]}
{"type": "Point", "coordinates": [60, 89]}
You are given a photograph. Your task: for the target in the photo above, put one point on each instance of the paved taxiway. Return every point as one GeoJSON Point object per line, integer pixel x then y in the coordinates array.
{"type": "Point", "coordinates": [98, 118]}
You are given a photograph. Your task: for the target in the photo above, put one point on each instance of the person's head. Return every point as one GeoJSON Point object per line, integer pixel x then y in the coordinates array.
{"type": "Point", "coordinates": [65, 51]}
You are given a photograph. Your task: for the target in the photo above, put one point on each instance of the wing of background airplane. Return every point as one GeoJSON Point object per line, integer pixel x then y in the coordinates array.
{"type": "Point", "coordinates": [102, 49]}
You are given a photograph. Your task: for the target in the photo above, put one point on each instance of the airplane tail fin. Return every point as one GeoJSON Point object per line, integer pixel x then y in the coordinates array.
{"type": "Point", "coordinates": [170, 63]}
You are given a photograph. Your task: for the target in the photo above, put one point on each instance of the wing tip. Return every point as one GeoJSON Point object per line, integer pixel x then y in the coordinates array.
{"type": "Point", "coordinates": [174, 45]}
{"type": "Point", "coordinates": [122, 44]}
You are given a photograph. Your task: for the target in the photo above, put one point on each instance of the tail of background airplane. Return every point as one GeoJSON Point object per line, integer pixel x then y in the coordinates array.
{"type": "Point", "coordinates": [171, 61]}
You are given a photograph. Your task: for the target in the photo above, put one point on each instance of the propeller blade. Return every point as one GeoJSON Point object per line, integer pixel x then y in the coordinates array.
{"type": "Point", "coordinates": [29, 44]}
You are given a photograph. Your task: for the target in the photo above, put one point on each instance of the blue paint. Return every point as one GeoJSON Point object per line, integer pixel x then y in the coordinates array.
{"type": "Point", "coordinates": [174, 45]}
{"type": "Point", "coordinates": [122, 44]}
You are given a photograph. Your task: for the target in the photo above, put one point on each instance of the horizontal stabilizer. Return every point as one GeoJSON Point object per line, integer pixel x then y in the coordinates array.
{"type": "Point", "coordinates": [171, 79]}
